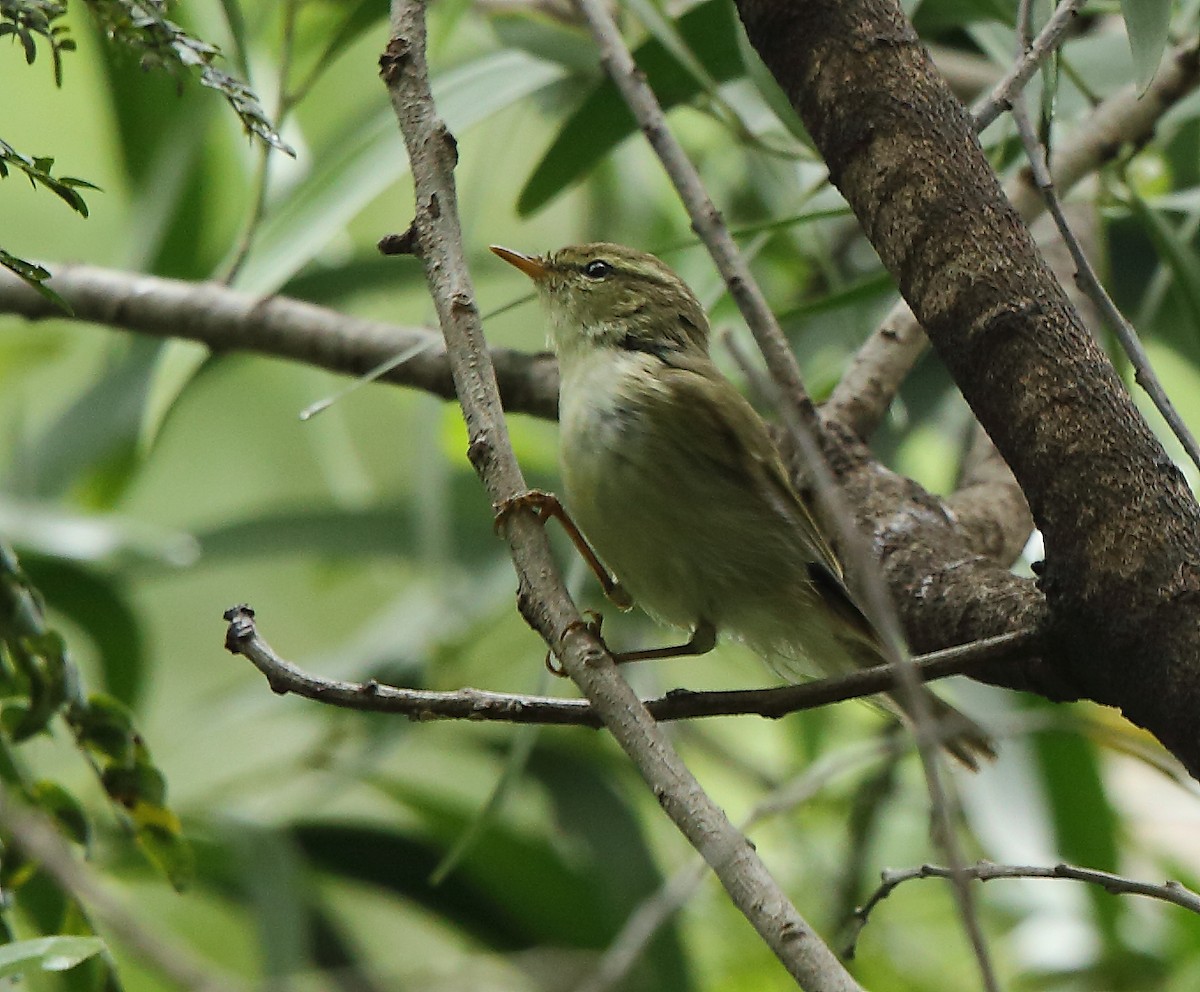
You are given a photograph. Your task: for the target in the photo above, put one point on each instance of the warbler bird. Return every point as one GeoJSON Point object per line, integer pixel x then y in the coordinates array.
{"type": "Point", "coordinates": [673, 479]}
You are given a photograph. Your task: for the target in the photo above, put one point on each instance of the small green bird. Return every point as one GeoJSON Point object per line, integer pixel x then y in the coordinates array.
{"type": "Point", "coordinates": [674, 480]}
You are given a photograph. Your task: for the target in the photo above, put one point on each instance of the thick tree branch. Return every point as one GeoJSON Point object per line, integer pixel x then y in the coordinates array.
{"type": "Point", "coordinates": [1122, 575]}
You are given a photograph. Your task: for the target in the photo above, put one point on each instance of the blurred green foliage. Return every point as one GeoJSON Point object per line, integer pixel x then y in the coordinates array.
{"type": "Point", "coordinates": [148, 485]}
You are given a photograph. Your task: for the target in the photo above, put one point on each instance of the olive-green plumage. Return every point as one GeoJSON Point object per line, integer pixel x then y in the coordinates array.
{"type": "Point", "coordinates": [674, 480]}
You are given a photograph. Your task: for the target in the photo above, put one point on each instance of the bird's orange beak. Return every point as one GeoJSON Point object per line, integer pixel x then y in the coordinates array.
{"type": "Point", "coordinates": [533, 267]}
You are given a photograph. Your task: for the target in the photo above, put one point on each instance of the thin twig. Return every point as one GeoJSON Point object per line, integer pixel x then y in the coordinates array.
{"type": "Point", "coordinates": [542, 596]}
{"type": "Point", "coordinates": [1089, 282]}
{"type": "Point", "coordinates": [262, 171]}
{"type": "Point", "coordinates": [242, 637]}
{"type": "Point", "coordinates": [1170, 891]}
{"type": "Point", "coordinates": [1029, 59]}
{"type": "Point", "coordinates": [175, 962]}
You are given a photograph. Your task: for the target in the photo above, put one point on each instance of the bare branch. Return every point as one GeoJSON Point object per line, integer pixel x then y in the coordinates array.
{"type": "Point", "coordinates": [984, 871]}
{"type": "Point", "coordinates": [1090, 283]}
{"type": "Point", "coordinates": [1027, 62]}
{"type": "Point", "coordinates": [630, 943]}
{"type": "Point", "coordinates": [228, 320]}
{"type": "Point", "coordinates": [242, 637]}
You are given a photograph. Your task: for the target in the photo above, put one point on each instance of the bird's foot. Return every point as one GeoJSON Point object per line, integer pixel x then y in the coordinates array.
{"type": "Point", "coordinates": [590, 623]}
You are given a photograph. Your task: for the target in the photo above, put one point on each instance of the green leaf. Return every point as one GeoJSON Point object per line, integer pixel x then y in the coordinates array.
{"type": "Point", "coordinates": [27, 18]}
{"type": "Point", "coordinates": [1085, 824]}
{"type": "Point", "coordinates": [133, 784]}
{"type": "Point", "coordinates": [177, 365]}
{"type": "Point", "coordinates": [47, 954]}
{"type": "Point", "coordinates": [603, 120]}
{"type": "Point", "coordinates": [547, 39]}
{"type": "Point", "coordinates": [320, 44]}
{"type": "Point", "coordinates": [1179, 256]}
{"type": "Point", "coordinates": [38, 169]}
{"type": "Point", "coordinates": [97, 432]}
{"type": "Point", "coordinates": [389, 530]}
{"type": "Point", "coordinates": [862, 290]}
{"type": "Point", "coordinates": [1147, 22]}
{"type": "Point", "coordinates": [139, 26]}
{"type": "Point", "coordinates": [105, 726]}
{"type": "Point", "coordinates": [100, 606]}
{"type": "Point", "coordinates": [67, 811]}
{"type": "Point", "coordinates": [371, 157]}
{"type": "Point", "coordinates": [82, 539]}
{"type": "Point", "coordinates": [41, 660]}
{"type": "Point", "coordinates": [235, 21]}
{"type": "Point", "coordinates": [35, 277]}
{"type": "Point", "coordinates": [514, 767]}
{"type": "Point", "coordinates": [935, 17]}
{"type": "Point", "coordinates": [771, 92]}
{"type": "Point", "coordinates": [161, 840]}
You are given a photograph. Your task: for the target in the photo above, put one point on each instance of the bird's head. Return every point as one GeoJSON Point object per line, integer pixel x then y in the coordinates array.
{"type": "Point", "coordinates": [604, 295]}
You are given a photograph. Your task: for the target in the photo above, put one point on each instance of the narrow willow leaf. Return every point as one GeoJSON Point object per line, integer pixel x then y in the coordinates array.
{"type": "Point", "coordinates": [1147, 22]}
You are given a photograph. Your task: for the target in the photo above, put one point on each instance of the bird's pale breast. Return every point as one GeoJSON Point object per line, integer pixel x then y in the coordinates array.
{"type": "Point", "coordinates": [691, 542]}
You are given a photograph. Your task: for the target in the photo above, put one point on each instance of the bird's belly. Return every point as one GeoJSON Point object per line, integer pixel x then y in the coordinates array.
{"type": "Point", "coordinates": [679, 539]}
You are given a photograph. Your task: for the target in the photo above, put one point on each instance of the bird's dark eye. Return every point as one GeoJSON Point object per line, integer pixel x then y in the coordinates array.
{"type": "Point", "coordinates": [597, 269]}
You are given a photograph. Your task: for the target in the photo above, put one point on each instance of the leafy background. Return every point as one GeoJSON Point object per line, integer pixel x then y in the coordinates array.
{"type": "Point", "coordinates": [148, 485]}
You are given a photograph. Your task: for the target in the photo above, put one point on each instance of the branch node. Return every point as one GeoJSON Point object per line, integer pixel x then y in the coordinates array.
{"type": "Point", "coordinates": [394, 58]}
{"type": "Point", "coordinates": [241, 627]}
{"type": "Point", "coordinates": [407, 243]}
{"type": "Point", "coordinates": [450, 143]}
{"type": "Point", "coordinates": [479, 451]}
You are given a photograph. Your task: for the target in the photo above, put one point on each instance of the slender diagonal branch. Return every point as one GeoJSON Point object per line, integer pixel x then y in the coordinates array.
{"type": "Point", "coordinates": [1028, 61]}
{"type": "Point", "coordinates": [1090, 283]}
{"type": "Point", "coordinates": [541, 594]}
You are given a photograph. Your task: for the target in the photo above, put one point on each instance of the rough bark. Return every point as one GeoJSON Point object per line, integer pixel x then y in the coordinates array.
{"type": "Point", "coordinates": [1121, 577]}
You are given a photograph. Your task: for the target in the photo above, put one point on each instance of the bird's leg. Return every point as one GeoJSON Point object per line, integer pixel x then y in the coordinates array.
{"type": "Point", "coordinates": [703, 640]}
{"type": "Point", "coordinates": [546, 505]}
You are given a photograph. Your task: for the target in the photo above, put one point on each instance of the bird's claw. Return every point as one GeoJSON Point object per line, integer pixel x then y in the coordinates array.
{"type": "Point", "coordinates": [544, 505]}
{"type": "Point", "coordinates": [589, 623]}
